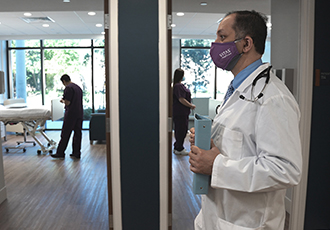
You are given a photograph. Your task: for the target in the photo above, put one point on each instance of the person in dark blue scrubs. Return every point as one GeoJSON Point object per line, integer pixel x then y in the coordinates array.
{"type": "Point", "coordinates": [73, 118]}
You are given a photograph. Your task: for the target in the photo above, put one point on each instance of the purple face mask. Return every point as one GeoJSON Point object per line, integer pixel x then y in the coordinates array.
{"type": "Point", "coordinates": [225, 55]}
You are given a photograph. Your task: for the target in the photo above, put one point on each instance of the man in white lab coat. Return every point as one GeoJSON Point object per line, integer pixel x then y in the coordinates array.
{"type": "Point", "coordinates": [255, 149]}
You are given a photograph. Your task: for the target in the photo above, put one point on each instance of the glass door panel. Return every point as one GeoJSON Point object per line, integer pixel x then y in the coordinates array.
{"type": "Point", "coordinates": [99, 80]}
{"type": "Point", "coordinates": [26, 75]}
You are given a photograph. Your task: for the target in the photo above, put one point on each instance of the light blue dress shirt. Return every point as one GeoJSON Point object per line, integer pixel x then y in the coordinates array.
{"type": "Point", "coordinates": [241, 76]}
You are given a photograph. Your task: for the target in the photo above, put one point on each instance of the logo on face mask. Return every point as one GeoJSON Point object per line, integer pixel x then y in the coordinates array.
{"type": "Point", "coordinates": [225, 53]}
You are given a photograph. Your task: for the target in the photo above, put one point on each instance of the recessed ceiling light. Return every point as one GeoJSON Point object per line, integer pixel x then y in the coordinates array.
{"type": "Point", "coordinates": [27, 14]}
{"type": "Point", "coordinates": [91, 13]}
{"type": "Point", "coordinates": [102, 32]}
{"type": "Point", "coordinates": [98, 25]}
{"type": "Point", "coordinates": [203, 3]}
{"type": "Point", "coordinates": [45, 25]}
{"type": "Point", "coordinates": [180, 14]}
{"type": "Point", "coordinates": [173, 25]}
{"type": "Point", "coordinates": [66, 0]}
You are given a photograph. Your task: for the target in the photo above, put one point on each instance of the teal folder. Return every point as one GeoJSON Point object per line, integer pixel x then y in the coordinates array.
{"type": "Point", "coordinates": [202, 140]}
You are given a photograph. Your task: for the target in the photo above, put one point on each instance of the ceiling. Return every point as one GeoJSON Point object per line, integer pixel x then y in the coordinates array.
{"type": "Point", "coordinates": [70, 19]}
{"type": "Point", "coordinates": [202, 21]}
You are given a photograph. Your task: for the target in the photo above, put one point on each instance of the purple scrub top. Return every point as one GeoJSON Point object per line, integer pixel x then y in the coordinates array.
{"type": "Point", "coordinates": [179, 90]}
{"type": "Point", "coordinates": [73, 93]}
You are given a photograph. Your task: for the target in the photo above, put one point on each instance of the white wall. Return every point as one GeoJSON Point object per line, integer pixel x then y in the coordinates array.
{"type": "Point", "coordinates": [285, 36]}
{"type": "Point", "coordinates": [292, 47]}
{"type": "Point", "coordinates": [284, 46]}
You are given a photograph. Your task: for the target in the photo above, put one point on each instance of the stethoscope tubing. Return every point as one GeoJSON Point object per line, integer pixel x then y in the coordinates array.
{"type": "Point", "coordinates": [264, 73]}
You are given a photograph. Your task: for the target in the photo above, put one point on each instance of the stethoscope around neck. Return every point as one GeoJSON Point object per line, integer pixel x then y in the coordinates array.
{"type": "Point", "coordinates": [264, 73]}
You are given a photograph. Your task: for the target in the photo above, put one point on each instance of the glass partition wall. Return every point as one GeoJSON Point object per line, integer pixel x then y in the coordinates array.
{"type": "Point", "coordinates": [36, 67]}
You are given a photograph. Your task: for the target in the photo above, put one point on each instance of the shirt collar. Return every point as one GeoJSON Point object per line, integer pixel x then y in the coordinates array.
{"type": "Point", "coordinates": [241, 76]}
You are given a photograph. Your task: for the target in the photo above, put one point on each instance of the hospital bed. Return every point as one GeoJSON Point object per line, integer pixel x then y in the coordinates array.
{"type": "Point", "coordinates": [16, 128]}
{"type": "Point", "coordinates": [33, 120]}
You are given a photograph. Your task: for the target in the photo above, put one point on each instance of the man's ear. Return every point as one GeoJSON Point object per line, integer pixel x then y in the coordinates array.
{"type": "Point", "coordinates": [248, 44]}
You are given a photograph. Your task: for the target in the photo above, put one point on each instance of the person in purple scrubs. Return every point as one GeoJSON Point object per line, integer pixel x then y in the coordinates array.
{"type": "Point", "coordinates": [181, 110]}
{"type": "Point", "coordinates": [73, 118]}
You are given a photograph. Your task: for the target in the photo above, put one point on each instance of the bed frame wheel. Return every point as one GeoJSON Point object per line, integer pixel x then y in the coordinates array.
{"type": "Point", "coordinates": [24, 150]}
{"type": "Point", "coordinates": [7, 150]}
{"type": "Point", "coordinates": [39, 152]}
{"type": "Point", "coordinates": [50, 151]}
{"type": "Point", "coordinates": [34, 144]}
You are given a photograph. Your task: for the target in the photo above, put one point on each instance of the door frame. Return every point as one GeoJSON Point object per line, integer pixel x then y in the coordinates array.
{"type": "Point", "coordinates": [165, 113]}
{"type": "Point", "coordinates": [305, 94]}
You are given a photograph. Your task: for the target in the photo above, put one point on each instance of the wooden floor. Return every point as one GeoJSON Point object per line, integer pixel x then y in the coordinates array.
{"type": "Point", "coordinates": [49, 194]}
{"type": "Point", "coordinates": [185, 203]}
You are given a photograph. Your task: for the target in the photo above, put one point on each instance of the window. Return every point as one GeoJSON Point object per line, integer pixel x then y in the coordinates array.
{"type": "Point", "coordinates": [99, 79]}
{"type": "Point", "coordinates": [68, 43]}
{"type": "Point", "coordinates": [26, 75]}
{"type": "Point", "coordinates": [36, 68]}
{"type": "Point", "coordinates": [197, 64]}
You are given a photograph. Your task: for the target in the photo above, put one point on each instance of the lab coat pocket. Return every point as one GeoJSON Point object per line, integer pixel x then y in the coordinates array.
{"type": "Point", "coordinates": [229, 142]}
{"type": "Point", "coordinates": [224, 225]}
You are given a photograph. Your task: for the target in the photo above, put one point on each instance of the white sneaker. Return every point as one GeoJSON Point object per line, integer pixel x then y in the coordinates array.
{"type": "Point", "coordinates": [182, 152]}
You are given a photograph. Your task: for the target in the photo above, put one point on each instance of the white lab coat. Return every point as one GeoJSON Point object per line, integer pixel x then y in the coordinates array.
{"type": "Point", "coordinates": [260, 157]}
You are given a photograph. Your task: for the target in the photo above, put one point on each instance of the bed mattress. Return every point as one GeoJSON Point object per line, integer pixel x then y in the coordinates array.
{"type": "Point", "coordinates": [22, 113]}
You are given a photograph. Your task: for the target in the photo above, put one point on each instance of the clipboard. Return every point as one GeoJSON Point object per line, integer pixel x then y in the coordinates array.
{"type": "Point", "coordinates": [202, 140]}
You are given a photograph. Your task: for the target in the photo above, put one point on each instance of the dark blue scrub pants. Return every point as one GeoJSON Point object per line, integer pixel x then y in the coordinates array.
{"type": "Point", "coordinates": [69, 125]}
{"type": "Point", "coordinates": [180, 130]}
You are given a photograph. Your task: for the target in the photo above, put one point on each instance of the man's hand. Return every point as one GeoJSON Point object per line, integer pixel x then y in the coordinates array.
{"type": "Point", "coordinates": [65, 102]}
{"type": "Point", "coordinates": [201, 161]}
{"type": "Point", "coordinates": [192, 136]}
